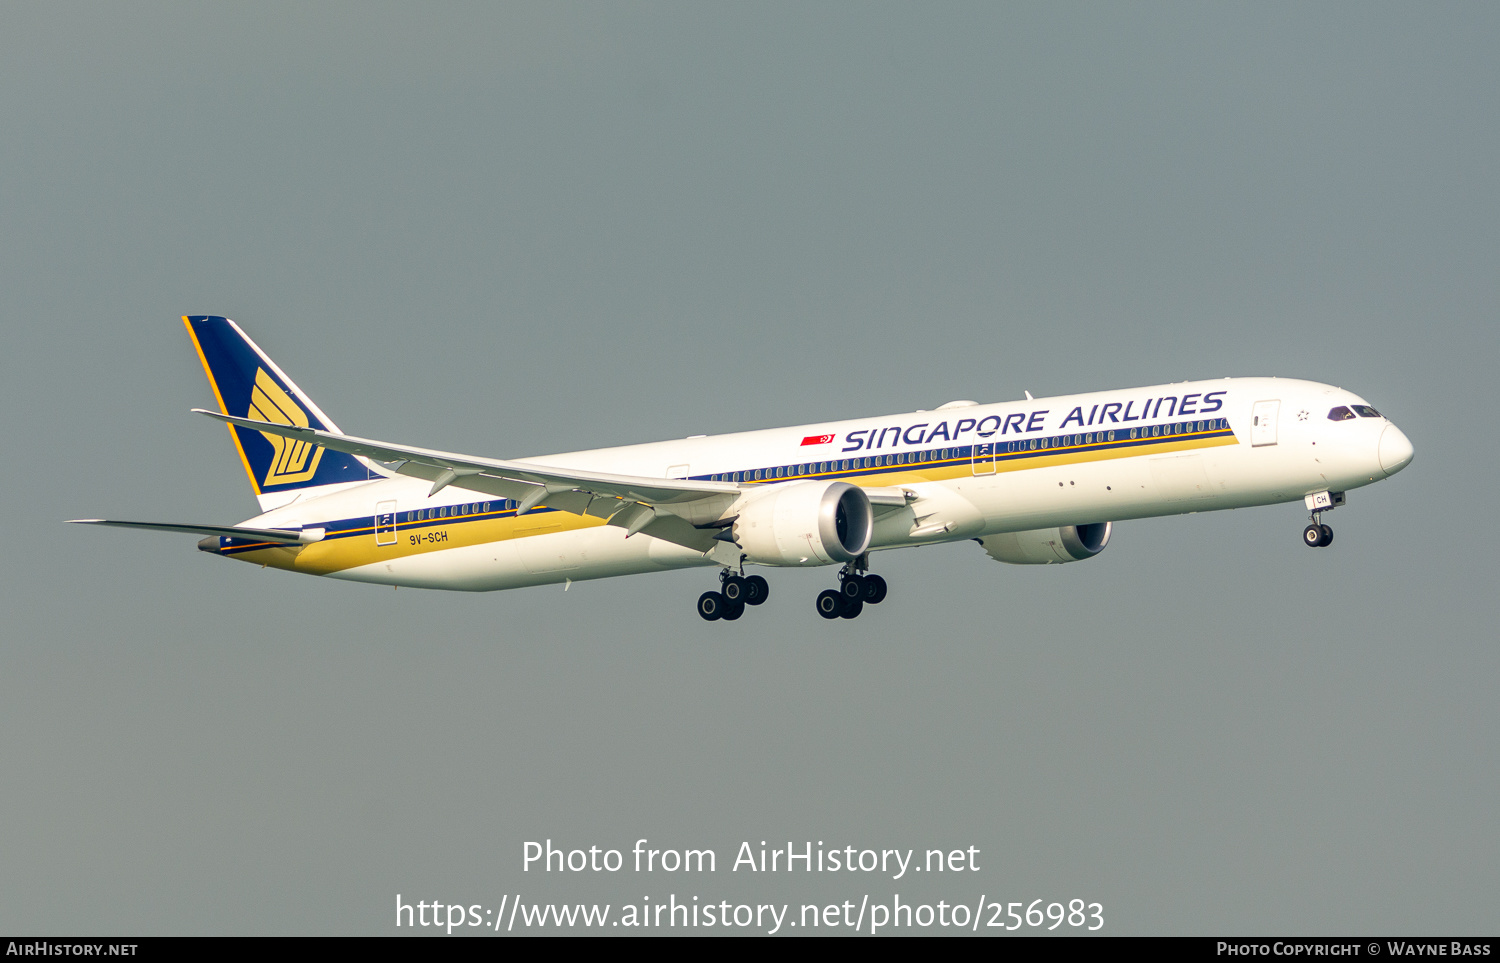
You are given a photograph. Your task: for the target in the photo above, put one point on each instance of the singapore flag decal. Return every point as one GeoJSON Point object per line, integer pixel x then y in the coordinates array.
{"type": "Point", "coordinates": [818, 440]}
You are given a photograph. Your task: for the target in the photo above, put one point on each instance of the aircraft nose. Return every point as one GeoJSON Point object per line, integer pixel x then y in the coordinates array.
{"type": "Point", "coordinates": [1395, 450]}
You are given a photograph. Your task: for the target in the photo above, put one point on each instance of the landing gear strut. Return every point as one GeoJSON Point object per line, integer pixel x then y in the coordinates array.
{"type": "Point", "coordinates": [856, 588]}
{"type": "Point", "coordinates": [736, 592]}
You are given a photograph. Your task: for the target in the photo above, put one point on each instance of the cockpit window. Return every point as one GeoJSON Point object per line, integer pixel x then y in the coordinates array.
{"type": "Point", "coordinates": [1365, 411]}
{"type": "Point", "coordinates": [1340, 414]}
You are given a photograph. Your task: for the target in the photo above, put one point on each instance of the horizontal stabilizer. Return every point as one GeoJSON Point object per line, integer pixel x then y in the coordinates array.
{"type": "Point", "coordinates": [223, 531]}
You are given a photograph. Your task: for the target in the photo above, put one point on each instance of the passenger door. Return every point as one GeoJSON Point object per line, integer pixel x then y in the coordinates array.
{"type": "Point", "coordinates": [385, 523]}
{"type": "Point", "coordinates": [1263, 423]}
{"type": "Point", "coordinates": [984, 458]}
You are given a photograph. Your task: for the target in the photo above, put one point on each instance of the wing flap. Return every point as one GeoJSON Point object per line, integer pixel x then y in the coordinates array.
{"type": "Point", "coordinates": [883, 501]}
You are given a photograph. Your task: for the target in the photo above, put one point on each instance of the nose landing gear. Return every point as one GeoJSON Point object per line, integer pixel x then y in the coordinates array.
{"type": "Point", "coordinates": [856, 589]}
{"type": "Point", "coordinates": [1318, 535]}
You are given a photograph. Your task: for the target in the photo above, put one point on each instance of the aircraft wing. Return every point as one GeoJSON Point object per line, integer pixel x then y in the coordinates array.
{"type": "Point", "coordinates": [282, 535]}
{"type": "Point", "coordinates": [667, 508]}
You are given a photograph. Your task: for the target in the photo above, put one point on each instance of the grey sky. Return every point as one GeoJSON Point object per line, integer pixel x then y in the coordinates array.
{"type": "Point", "coordinates": [546, 227]}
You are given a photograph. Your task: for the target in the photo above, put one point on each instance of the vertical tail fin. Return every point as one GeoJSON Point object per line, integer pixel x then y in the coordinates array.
{"type": "Point", "coordinates": [249, 384]}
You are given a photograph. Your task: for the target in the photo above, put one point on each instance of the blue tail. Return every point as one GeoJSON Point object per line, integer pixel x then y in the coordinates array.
{"type": "Point", "coordinates": [250, 385]}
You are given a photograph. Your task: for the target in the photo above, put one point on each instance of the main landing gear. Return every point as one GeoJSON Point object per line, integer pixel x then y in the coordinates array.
{"type": "Point", "coordinates": [854, 591]}
{"type": "Point", "coordinates": [736, 592]}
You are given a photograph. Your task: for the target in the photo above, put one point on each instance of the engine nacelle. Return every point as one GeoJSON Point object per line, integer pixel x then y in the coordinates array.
{"type": "Point", "coordinates": [804, 523]}
{"type": "Point", "coordinates": [1049, 546]}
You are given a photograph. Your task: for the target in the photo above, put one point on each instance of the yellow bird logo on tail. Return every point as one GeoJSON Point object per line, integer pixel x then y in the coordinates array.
{"type": "Point", "coordinates": [294, 461]}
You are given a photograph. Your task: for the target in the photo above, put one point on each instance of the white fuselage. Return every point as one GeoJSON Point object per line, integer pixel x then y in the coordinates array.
{"type": "Point", "coordinates": [974, 470]}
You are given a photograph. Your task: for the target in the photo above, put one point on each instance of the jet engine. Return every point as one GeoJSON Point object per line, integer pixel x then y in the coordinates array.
{"type": "Point", "coordinates": [804, 523]}
{"type": "Point", "coordinates": [1048, 546]}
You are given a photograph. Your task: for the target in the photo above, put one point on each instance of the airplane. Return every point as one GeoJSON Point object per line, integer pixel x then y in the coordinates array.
{"type": "Point", "coordinates": [1034, 481]}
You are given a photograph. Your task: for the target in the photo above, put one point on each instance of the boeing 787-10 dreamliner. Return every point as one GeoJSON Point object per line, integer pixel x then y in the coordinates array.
{"type": "Point", "coordinates": [1037, 481]}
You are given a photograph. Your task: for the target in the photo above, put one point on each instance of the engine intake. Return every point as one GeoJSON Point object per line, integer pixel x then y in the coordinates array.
{"type": "Point", "coordinates": [804, 523]}
{"type": "Point", "coordinates": [1049, 546]}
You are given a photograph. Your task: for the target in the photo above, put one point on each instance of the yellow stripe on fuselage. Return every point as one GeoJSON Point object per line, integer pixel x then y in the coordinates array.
{"type": "Point", "coordinates": [351, 548]}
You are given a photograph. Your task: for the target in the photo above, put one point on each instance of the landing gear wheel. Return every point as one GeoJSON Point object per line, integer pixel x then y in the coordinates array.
{"type": "Point", "coordinates": [852, 608]}
{"type": "Point", "coordinates": [735, 590]}
{"type": "Point", "coordinates": [853, 587]}
{"type": "Point", "coordinates": [874, 589]}
{"type": "Point", "coordinates": [1312, 536]}
{"type": "Point", "coordinates": [733, 610]}
{"type": "Point", "coordinates": [1327, 536]}
{"type": "Point", "coordinates": [711, 606]}
{"type": "Point", "coordinates": [757, 589]}
{"type": "Point", "coordinates": [830, 603]}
